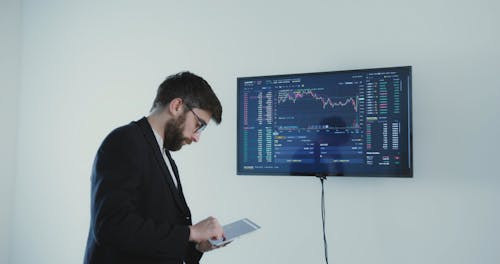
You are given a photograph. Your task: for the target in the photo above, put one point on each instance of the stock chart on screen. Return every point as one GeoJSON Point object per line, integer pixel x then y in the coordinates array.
{"type": "Point", "coordinates": [342, 123]}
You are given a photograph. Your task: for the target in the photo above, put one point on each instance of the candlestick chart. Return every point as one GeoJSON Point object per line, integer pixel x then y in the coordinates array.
{"type": "Point", "coordinates": [317, 108]}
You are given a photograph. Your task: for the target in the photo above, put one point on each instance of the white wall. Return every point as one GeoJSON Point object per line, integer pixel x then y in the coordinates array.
{"type": "Point", "coordinates": [89, 66]}
{"type": "Point", "coordinates": [10, 26]}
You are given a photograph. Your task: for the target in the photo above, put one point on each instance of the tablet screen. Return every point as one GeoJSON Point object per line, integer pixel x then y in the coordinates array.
{"type": "Point", "coordinates": [234, 230]}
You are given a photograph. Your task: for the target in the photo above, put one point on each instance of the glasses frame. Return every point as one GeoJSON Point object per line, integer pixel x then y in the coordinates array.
{"type": "Point", "coordinates": [201, 123]}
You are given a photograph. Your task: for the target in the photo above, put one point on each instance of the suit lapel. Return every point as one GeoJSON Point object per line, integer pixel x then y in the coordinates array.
{"type": "Point", "coordinates": [147, 131]}
{"type": "Point", "coordinates": [179, 184]}
{"type": "Point", "coordinates": [174, 168]}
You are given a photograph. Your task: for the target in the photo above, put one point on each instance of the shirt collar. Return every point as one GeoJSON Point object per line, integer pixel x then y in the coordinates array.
{"type": "Point", "coordinates": [159, 139]}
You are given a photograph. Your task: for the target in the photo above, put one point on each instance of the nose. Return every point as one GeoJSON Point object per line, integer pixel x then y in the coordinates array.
{"type": "Point", "coordinates": [196, 137]}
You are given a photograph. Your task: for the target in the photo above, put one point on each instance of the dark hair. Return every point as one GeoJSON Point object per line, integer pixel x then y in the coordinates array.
{"type": "Point", "coordinates": [193, 90]}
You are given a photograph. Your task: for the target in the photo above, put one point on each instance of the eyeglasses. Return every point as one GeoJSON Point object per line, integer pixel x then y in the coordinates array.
{"type": "Point", "coordinates": [201, 123]}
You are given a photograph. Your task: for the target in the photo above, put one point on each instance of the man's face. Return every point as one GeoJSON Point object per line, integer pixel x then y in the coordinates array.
{"type": "Point", "coordinates": [185, 129]}
{"type": "Point", "coordinates": [174, 138]}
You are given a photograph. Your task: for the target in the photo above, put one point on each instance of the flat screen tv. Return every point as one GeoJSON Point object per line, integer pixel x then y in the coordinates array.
{"type": "Point", "coordinates": [338, 123]}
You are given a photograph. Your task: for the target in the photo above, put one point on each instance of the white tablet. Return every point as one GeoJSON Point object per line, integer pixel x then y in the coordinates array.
{"type": "Point", "coordinates": [235, 230]}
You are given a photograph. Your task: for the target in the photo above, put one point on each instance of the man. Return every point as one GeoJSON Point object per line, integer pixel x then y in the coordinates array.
{"type": "Point", "coordinates": [138, 210]}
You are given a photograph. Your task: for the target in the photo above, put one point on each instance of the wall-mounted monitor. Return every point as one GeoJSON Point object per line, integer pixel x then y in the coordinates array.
{"type": "Point", "coordinates": [339, 123]}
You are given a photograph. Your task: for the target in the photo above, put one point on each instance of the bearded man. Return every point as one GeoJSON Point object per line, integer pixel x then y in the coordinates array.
{"type": "Point", "coordinates": [138, 210]}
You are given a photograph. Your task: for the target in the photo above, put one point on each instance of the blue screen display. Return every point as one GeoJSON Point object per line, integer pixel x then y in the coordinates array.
{"type": "Point", "coordinates": [342, 123]}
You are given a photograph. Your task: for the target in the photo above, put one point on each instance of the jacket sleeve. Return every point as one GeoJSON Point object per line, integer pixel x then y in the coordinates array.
{"type": "Point", "coordinates": [193, 256]}
{"type": "Point", "coordinates": [116, 223]}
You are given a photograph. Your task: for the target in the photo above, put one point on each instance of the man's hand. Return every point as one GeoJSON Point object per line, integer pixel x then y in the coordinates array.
{"type": "Point", "coordinates": [205, 246]}
{"type": "Point", "coordinates": [205, 230]}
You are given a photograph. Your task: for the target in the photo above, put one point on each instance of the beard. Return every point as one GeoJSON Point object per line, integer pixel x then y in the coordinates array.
{"type": "Point", "coordinates": [173, 136]}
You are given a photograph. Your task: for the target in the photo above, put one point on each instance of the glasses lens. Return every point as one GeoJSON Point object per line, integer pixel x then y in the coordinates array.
{"type": "Point", "coordinates": [201, 124]}
{"type": "Point", "coordinates": [201, 128]}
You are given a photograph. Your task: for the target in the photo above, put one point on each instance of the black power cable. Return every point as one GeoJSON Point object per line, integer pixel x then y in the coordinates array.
{"type": "Point", "coordinates": [323, 215]}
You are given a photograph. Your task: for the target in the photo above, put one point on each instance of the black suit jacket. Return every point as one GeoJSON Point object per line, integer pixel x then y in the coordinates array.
{"type": "Point", "coordinates": [137, 213]}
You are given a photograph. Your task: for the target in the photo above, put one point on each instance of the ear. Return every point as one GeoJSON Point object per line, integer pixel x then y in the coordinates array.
{"type": "Point", "coordinates": [176, 107]}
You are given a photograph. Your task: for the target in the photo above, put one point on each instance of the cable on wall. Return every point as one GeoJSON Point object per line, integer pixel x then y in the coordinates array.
{"type": "Point", "coordinates": [323, 215]}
